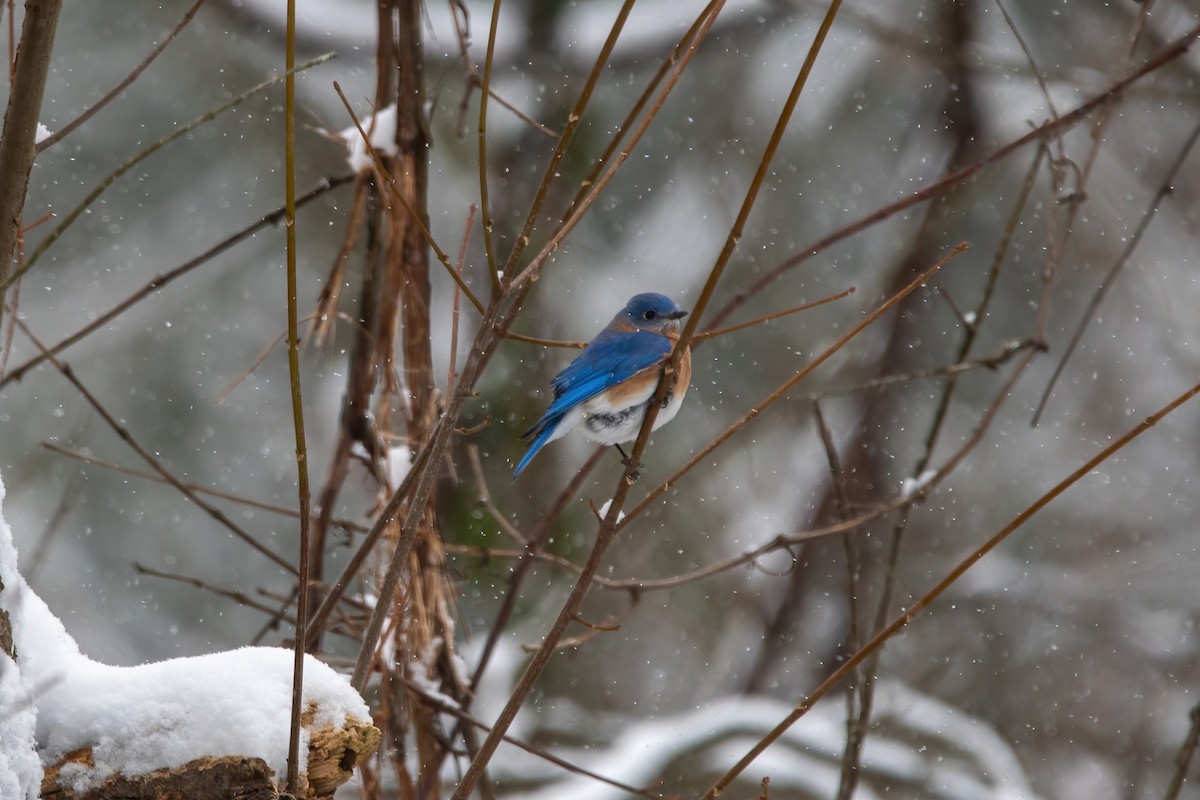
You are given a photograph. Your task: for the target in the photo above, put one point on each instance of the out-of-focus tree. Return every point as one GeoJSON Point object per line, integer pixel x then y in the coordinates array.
{"type": "Point", "coordinates": [618, 154]}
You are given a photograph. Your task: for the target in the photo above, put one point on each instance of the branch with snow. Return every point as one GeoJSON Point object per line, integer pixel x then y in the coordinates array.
{"type": "Point", "coordinates": [381, 127]}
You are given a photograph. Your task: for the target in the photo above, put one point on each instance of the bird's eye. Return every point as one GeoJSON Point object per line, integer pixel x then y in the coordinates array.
{"type": "Point", "coordinates": [648, 315]}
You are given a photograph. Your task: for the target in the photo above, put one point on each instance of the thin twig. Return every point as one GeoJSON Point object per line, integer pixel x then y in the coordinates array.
{"type": "Point", "coordinates": [331, 292]}
{"type": "Point", "coordinates": [527, 556]}
{"type": "Point", "coordinates": [1183, 758]}
{"type": "Point", "coordinates": [464, 718]}
{"type": "Point", "coordinates": [70, 127]}
{"type": "Point", "coordinates": [713, 333]}
{"type": "Point", "coordinates": [283, 511]}
{"type": "Point", "coordinates": [451, 375]}
{"type": "Point", "coordinates": [690, 39]}
{"type": "Point", "coordinates": [66, 503]}
{"type": "Point", "coordinates": [485, 498]}
{"type": "Point", "coordinates": [1037, 73]}
{"type": "Point", "coordinates": [1044, 131]}
{"type": "Point", "coordinates": [1115, 270]}
{"type": "Point", "coordinates": [1058, 248]}
{"type": "Point", "coordinates": [159, 281]}
{"type": "Point", "coordinates": [124, 434]}
{"type": "Point", "coordinates": [475, 80]}
{"type": "Point", "coordinates": [489, 249]}
{"type": "Point", "coordinates": [112, 177]}
{"type": "Point", "coordinates": [241, 598]}
{"type": "Point", "coordinates": [854, 726]}
{"type": "Point", "coordinates": [304, 495]}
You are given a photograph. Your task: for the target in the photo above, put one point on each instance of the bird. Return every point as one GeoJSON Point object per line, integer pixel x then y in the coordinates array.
{"type": "Point", "coordinates": [605, 391]}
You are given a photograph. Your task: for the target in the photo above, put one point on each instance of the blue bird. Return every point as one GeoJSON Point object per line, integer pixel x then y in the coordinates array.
{"type": "Point", "coordinates": [606, 390]}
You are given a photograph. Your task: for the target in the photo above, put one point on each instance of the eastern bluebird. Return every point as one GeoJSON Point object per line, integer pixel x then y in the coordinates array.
{"type": "Point", "coordinates": [606, 390]}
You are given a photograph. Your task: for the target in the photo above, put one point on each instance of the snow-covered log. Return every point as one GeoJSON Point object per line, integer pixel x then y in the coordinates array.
{"type": "Point", "coordinates": [209, 726]}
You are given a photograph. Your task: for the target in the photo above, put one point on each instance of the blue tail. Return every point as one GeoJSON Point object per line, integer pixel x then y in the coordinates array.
{"type": "Point", "coordinates": [547, 428]}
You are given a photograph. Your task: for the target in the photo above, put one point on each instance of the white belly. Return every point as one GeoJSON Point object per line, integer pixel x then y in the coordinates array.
{"type": "Point", "coordinates": [601, 422]}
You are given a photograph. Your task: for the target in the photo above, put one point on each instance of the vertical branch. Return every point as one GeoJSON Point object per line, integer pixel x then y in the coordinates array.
{"type": "Point", "coordinates": [17, 147]}
{"type": "Point", "coordinates": [424, 606]}
{"type": "Point", "coordinates": [489, 248]}
{"type": "Point", "coordinates": [293, 340]}
{"type": "Point", "coordinates": [411, 177]}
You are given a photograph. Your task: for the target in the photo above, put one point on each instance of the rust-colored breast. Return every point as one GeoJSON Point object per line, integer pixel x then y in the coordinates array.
{"type": "Point", "coordinates": [684, 376]}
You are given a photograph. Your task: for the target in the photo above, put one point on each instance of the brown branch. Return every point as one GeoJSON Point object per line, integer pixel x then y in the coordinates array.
{"type": "Point", "coordinates": [1058, 248]}
{"type": "Point", "coordinates": [485, 498]}
{"type": "Point", "coordinates": [303, 492]}
{"type": "Point", "coordinates": [475, 80]}
{"type": "Point", "coordinates": [17, 147]}
{"type": "Point", "coordinates": [451, 375]}
{"type": "Point", "coordinates": [66, 503]}
{"type": "Point", "coordinates": [331, 292]}
{"type": "Point", "coordinates": [690, 40]}
{"type": "Point", "coordinates": [257, 362]}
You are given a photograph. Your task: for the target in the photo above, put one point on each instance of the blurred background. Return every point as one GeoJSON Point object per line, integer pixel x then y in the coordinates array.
{"type": "Point", "coordinates": [1063, 665]}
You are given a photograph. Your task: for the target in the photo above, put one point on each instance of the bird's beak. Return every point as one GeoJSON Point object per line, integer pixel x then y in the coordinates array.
{"type": "Point", "coordinates": [677, 315]}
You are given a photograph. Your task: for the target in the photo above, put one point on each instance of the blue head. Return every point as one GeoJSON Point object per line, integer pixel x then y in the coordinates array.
{"type": "Point", "coordinates": [651, 312]}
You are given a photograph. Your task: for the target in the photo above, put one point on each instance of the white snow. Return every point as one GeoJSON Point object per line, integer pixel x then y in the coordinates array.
{"type": "Point", "coordinates": [910, 487]}
{"type": "Point", "coordinates": [381, 128]}
{"type": "Point", "coordinates": [148, 717]}
{"type": "Point", "coordinates": [922, 744]}
{"type": "Point", "coordinates": [604, 511]}
{"type": "Point", "coordinates": [43, 133]}
{"type": "Point", "coordinates": [20, 767]}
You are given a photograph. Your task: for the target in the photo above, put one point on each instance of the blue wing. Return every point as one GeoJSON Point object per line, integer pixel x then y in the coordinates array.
{"type": "Point", "coordinates": [612, 357]}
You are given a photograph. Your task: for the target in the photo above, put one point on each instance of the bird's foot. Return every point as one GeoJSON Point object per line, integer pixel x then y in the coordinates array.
{"type": "Point", "coordinates": [628, 462]}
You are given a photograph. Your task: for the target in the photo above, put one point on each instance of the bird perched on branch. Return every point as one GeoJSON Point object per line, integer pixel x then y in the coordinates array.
{"type": "Point", "coordinates": [606, 390]}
